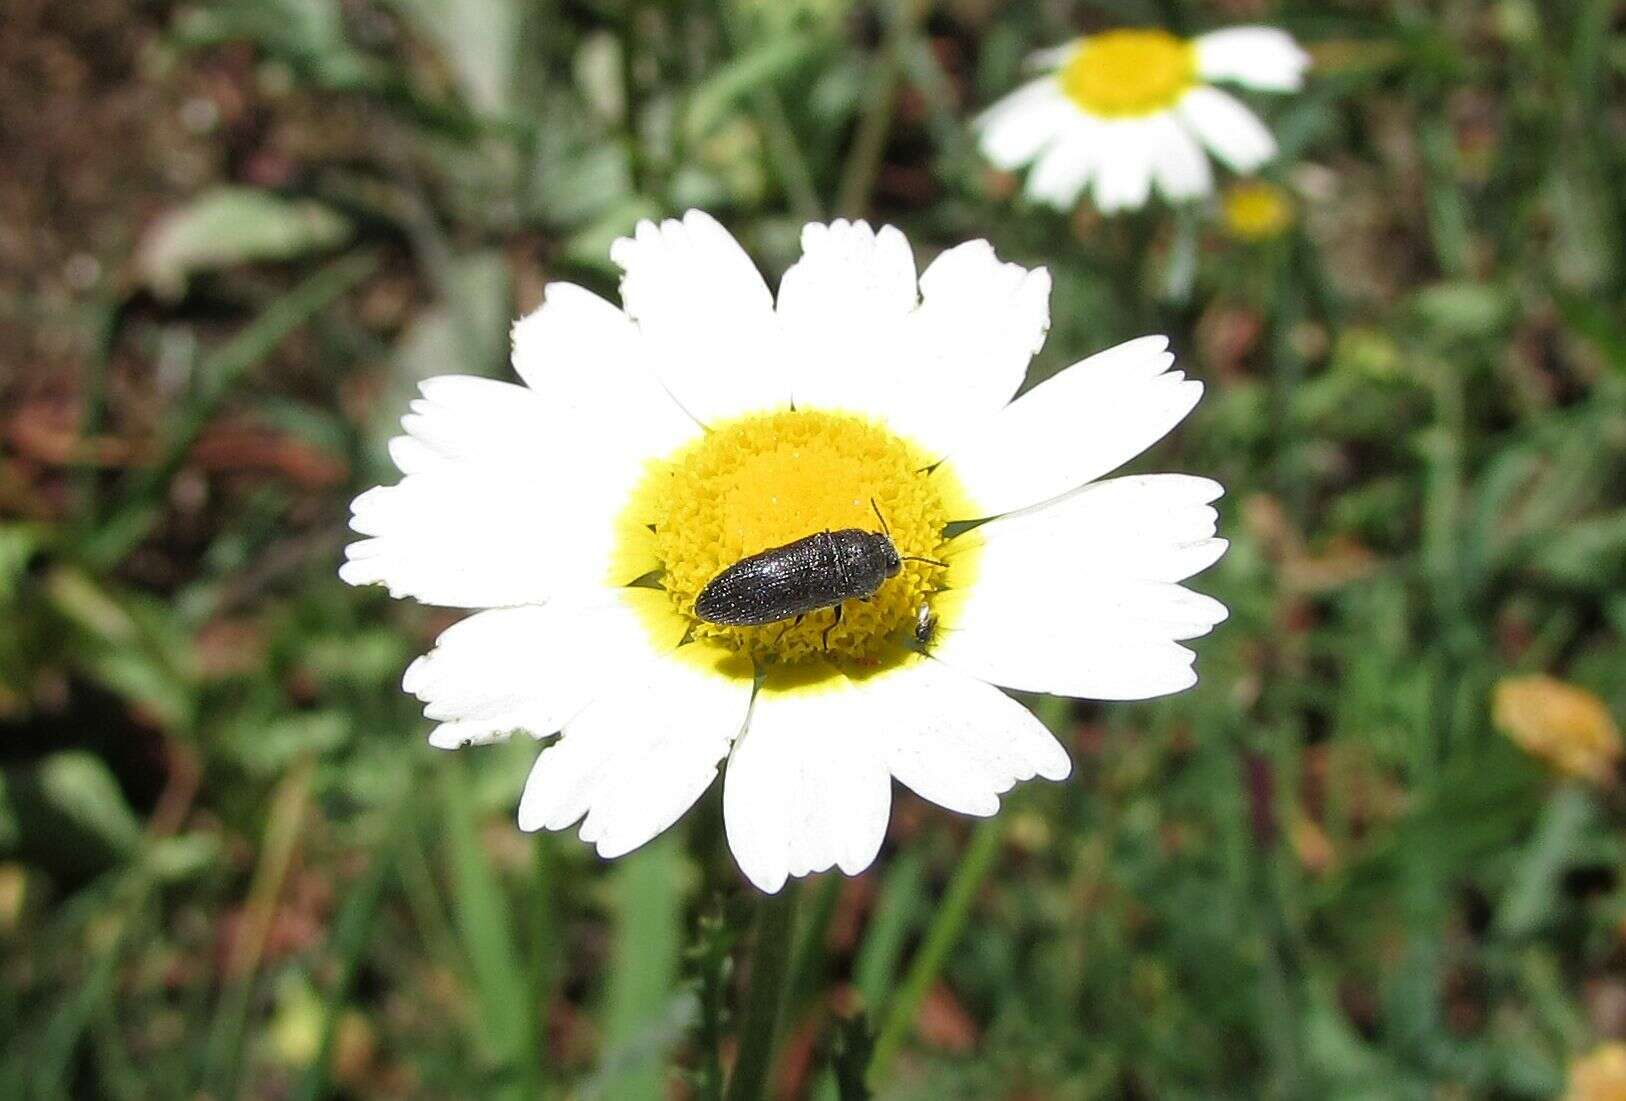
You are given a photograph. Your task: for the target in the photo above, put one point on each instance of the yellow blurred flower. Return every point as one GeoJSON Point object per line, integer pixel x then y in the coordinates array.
{"type": "Point", "coordinates": [295, 1031]}
{"type": "Point", "coordinates": [1257, 210]}
{"type": "Point", "coordinates": [13, 895]}
{"type": "Point", "coordinates": [1599, 1075]}
{"type": "Point", "coordinates": [1568, 727]}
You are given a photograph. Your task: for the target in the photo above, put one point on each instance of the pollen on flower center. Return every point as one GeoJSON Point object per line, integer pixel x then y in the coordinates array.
{"type": "Point", "coordinates": [769, 479]}
{"type": "Point", "coordinates": [1124, 73]}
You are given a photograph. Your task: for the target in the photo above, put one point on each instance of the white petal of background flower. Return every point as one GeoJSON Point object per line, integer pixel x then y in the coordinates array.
{"type": "Point", "coordinates": [959, 741]}
{"type": "Point", "coordinates": [1017, 128]}
{"type": "Point", "coordinates": [1064, 169]}
{"type": "Point", "coordinates": [1232, 132]}
{"type": "Point", "coordinates": [1124, 179]}
{"type": "Point", "coordinates": [841, 310]}
{"type": "Point", "coordinates": [966, 349]}
{"type": "Point", "coordinates": [531, 668]}
{"type": "Point", "coordinates": [489, 481]}
{"type": "Point", "coordinates": [1085, 422]}
{"type": "Point", "coordinates": [705, 315]}
{"type": "Point", "coordinates": [806, 788]}
{"type": "Point", "coordinates": [1179, 167]}
{"type": "Point", "coordinates": [638, 757]}
{"type": "Point", "coordinates": [1263, 58]}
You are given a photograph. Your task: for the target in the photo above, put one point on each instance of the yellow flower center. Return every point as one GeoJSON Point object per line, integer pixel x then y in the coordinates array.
{"type": "Point", "coordinates": [769, 479]}
{"type": "Point", "coordinates": [1257, 211]}
{"type": "Point", "coordinates": [1121, 74]}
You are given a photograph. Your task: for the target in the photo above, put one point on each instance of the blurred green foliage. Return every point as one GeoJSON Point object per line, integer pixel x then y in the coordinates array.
{"type": "Point", "coordinates": [228, 864]}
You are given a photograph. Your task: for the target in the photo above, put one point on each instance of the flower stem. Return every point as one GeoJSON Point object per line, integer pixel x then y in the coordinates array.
{"type": "Point", "coordinates": [902, 18]}
{"type": "Point", "coordinates": [941, 936]}
{"type": "Point", "coordinates": [949, 921]}
{"type": "Point", "coordinates": [770, 962]}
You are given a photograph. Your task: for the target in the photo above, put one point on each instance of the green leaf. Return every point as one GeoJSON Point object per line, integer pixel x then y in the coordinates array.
{"type": "Point", "coordinates": [306, 32]}
{"type": "Point", "coordinates": [480, 909]}
{"type": "Point", "coordinates": [712, 100]}
{"type": "Point", "coordinates": [897, 915]}
{"type": "Point", "coordinates": [639, 1006]}
{"type": "Point", "coordinates": [1532, 896]}
{"type": "Point", "coordinates": [78, 788]}
{"type": "Point", "coordinates": [264, 744]}
{"type": "Point", "coordinates": [479, 40]}
{"type": "Point", "coordinates": [1588, 553]}
{"type": "Point", "coordinates": [229, 225]}
{"type": "Point", "coordinates": [128, 642]}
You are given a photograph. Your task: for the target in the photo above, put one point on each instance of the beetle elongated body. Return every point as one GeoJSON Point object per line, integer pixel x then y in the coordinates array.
{"type": "Point", "coordinates": [818, 571]}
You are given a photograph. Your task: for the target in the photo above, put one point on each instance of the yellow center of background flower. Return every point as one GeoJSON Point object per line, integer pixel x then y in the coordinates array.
{"type": "Point", "coordinates": [769, 479]}
{"type": "Point", "coordinates": [1121, 74]}
{"type": "Point", "coordinates": [1256, 210]}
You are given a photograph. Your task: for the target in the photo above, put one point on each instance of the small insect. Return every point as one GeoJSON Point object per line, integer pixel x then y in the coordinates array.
{"type": "Point", "coordinates": [817, 571]}
{"type": "Point", "coordinates": [925, 625]}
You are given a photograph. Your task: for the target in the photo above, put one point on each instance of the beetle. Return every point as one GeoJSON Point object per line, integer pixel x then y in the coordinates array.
{"type": "Point", "coordinates": [816, 571]}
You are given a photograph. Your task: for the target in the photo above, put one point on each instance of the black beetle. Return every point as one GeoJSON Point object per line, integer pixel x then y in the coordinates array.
{"type": "Point", "coordinates": [817, 571]}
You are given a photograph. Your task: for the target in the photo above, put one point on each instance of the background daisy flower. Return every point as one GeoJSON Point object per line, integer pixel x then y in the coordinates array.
{"type": "Point", "coordinates": [1125, 111]}
{"type": "Point", "coordinates": [652, 446]}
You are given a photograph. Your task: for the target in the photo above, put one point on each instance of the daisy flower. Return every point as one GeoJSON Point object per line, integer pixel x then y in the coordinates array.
{"type": "Point", "coordinates": [654, 445]}
{"type": "Point", "coordinates": [1128, 110]}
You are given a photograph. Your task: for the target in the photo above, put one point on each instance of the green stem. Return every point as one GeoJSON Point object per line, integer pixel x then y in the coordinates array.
{"type": "Point", "coordinates": [794, 174]}
{"type": "Point", "coordinates": [770, 962]}
{"type": "Point", "coordinates": [944, 933]}
{"type": "Point", "coordinates": [869, 143]}
{"type": "Point", "coordinates": [950, 919]}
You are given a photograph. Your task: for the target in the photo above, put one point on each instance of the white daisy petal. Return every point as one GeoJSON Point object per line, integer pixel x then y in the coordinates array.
{"type": "Point", "coordinates": [1008, 653]}
{"type": "Point", "coordinates": [497, 473]}
{"type": "Point", "coordinates": [637, 758]}
{"type": "Point", "coordinates": [1063, 170]}
{"type": "Point", "coordinates": [967, 348]}
{"type": "Point", "coordinates": [1071, 429]}
{"type": "Point", "coordinates": [1019, 127]}
{"type": "Point", "coordinates": [1263, 58]}
{"type": "Point", "coordinates": [1178, 166]}
{"type": "Point", "coordinates": [1123, 180]}
{"type": "Point", "coordinates": [582, 356]}
{"type": "Point", "coordinates": [705, 315]}
{"type": "Point", "coordinates": [1161, 528]}
{"type": "Point", "coordinates": [958, 741]}
{"type": "Point", "coordinates": [534, 667]}
{"type": "Point", "coordinates": [1052, 57]}
{"type": "Point", "coordinates": [841, 307]}
{"type": "Point", "coordinates": [1140, 132]}
{"type": "Point", "coordinates": [492, 478]}
{"type": "Point", "coordinates": [1232, 132]}
{"type": "Point", "coordinates": [1078, 597]}
{"type": "Point", "coordinates": [806, 788]}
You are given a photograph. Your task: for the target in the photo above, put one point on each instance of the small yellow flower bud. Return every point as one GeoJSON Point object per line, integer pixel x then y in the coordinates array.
{"type": "Point", "coordinates": [1256, 210]}
{"type": "Point", "coordinates": [1568, 727]}
{"type": "Point", "coordinates": [1599, 1075]}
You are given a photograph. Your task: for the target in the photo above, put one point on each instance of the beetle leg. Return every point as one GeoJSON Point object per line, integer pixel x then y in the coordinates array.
{"type": "Point", "coordinates": [834, 620]}
{"type": "Point", "coordinates": [797, 622]}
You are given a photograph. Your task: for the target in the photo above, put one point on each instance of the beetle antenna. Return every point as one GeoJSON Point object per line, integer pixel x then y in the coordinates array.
{"type": "Point", "coordinates": [917, 558]}
{"type": "Point", "coordinates": [886, 531]}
